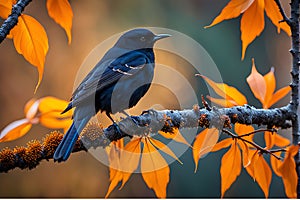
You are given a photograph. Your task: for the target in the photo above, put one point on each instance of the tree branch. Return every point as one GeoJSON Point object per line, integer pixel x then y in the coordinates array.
{"type": "Point", "coordinates": [149, 122]}
{"type": "Point", "coordinates": [295, 81]}
{"type": "Point", "coordinates": [12, 19]}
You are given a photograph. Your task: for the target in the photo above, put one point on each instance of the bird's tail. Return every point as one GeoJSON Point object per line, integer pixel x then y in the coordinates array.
{"type": "Point", "coordinates": [66, 145]}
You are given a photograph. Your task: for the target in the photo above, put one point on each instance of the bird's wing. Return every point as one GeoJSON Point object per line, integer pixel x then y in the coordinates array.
{"type": "Point", "coordinates": [108, 73]}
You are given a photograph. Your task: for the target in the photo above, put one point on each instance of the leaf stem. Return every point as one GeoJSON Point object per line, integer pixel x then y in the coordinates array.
{"type": "Point", "coordinates": [258, 147]}
{"type": "Point", "coordinates": [257, 131]}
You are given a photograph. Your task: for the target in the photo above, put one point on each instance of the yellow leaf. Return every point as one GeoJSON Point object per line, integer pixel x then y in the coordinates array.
{"type": "Point", "coordinates": [226, 91]}
{"type": "Point", "coordinates": [161, 146]}
{"type": "Point", "coordinates": [54, 121]}
{"type": "Point", "coordinates": [233, 9]}
{"type": "Point", "coordinates": [175, 135]}
{"type": "Point", "coordinates": [230, 167]}
{"type": "Point", "coordinates": [270, 87]}
{"type": "Point", "coordinates": [61, 12]}
{"type": "Point", "coordinates": [252, 24]}
{"type": "Point", "coordinates": [129, 159]}
{"type": "Point", "coordinates": [260, 171]}
{"type": "Point", "coordinates": [204, 143]}
{"type": "Point", "coordinates": [275, 163]}
{"type": "Point", "coordinates": [273, 13]}
{"type": "Point", "coordinates": [279, 94]}
{"type": "Point", "coordinates": [51, 104]}
{"type": "Point", "coordinates": [15, 130]}
{"type": "Point", "coordinates": [30, 40]}
{"type": "Point", "coordinates": [288, 172]}
{"type": "Point", "coordinates": [257, 84]}
{"type": "Point", "coordinates": [155, 170]}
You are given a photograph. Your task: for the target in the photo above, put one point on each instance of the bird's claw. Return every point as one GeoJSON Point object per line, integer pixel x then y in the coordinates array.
{"type": "Point", "coordinates": [117, 128]}
{"type": "Point", "coordinates": [147, 111]}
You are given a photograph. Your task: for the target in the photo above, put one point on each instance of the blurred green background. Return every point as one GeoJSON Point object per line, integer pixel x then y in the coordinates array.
{"type": "Point", "coordinates": [94, 21]}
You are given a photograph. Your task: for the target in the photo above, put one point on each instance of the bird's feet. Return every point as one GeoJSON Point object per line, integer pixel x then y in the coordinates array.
{"type": "Point", "coordinates": [117, 128]}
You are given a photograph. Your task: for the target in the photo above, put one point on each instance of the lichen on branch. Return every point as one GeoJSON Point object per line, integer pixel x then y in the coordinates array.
{"type": "Point", "coordinates": [150, 121]}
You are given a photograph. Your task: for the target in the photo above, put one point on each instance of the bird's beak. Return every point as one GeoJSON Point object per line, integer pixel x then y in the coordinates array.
{"type": "Point", "coordinates": [160, 36]}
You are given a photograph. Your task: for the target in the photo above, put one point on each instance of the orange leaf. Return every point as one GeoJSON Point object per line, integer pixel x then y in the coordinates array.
{"type": "Point", "coordinates": [257, 84]}
{"type": "Point", "coordinates": [288, 172]}
{"type": "Point", "coordinates": [61, 12]}
{"type": "Point", "coordinates": [233, 9]}
{"type": "Point", "coordinates": [275, 163]}
{"type": "Point", "coordinates": [252, 24]}
{"type": "Point", "coordinates": [226, 91]}
{"type": "Point", "coordinates": [15, 130]}
{"type": "Point", "coordinates": [31, 108]}
{"type": "Point", "coordinates": [269, 139]}
{"type": "Point", "coordinates": [30, 40]}
{"type": "Point", "coordinates": [279, 94]}
{"type": "Point", "coordinates": [270, 87]}
{"type": "Point", "coordinates": [273, 13]}
{"type": "Point", "coordinates": [130, 158]}
{"type": "Point", "coordinates": [222, 102]}
{"type": "Point", "coordinates": [203, 143]}
{"type": "Point", "coordinates": [281, 141]}
{"type": "Point", "coordinates": [175, 135]}
{"type": "Point", "coordinates": [230, 167]}
{"type": "Point", "coordinates": [115, 176]}
{"type": "Point", "coordinates": [5, 8]}
{"type": "Point", "coordinates": [245, 151]}
{"type": "Point", "coordinates": [260, 171]}
{"type": "Point", "coordinates": [162, 147]}
{"type": "Point", "coordinates": [241, 129]}
{"type": "Point", "coordinates": [155, 170]}
{"type": "Point", "coordinates": [222, 144]}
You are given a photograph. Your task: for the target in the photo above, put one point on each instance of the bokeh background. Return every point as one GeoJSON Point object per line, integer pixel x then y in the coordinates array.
{"type": "Point", "coordinates": [94, 21]}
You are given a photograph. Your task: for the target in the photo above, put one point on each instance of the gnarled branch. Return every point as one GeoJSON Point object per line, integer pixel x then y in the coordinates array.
{"type": "Point", "coordinates": [151, 121]}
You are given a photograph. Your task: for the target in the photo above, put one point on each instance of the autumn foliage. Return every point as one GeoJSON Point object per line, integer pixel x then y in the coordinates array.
{"type": "Point", "coordinates": [146, 152]}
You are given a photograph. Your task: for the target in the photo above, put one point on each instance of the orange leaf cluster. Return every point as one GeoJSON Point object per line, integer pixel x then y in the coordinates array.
{"type": "Point", "coordinates": [263, 88]}
{"type": "Point", "coordinates": [252, 21]}
{"type": "Point", "coordinates": [124, 160]}
{"type": "Point", "coordinates": [46, 111]}
{"type": "Point", "coordinates": [29, 36]}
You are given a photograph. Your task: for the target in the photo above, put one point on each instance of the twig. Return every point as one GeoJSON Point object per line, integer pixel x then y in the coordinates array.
{"type": "Point", "coordinates": [205, 104]}
{"type": "Point", "coordinates": [258, 131]}
{"type": "Point", "coordinates": [258, 147]}
{"type": "Point", "coordinates": [12, 19]}
{"type": "Point", "coordinates": [285, 18]}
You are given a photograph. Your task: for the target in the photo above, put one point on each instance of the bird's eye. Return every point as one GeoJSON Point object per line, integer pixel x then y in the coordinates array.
{"type": "Point", "coordinates": [143, 39]}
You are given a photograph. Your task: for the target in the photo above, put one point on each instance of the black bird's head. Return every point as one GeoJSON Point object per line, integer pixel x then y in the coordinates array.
{"type": "Point", "coordinates": [139, 39]}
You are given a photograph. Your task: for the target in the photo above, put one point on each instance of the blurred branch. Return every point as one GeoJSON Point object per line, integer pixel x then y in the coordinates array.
{"type": "Point", "coordinates": [12, 19]}
{"type": "Point", "coordinates": [150, 121]}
